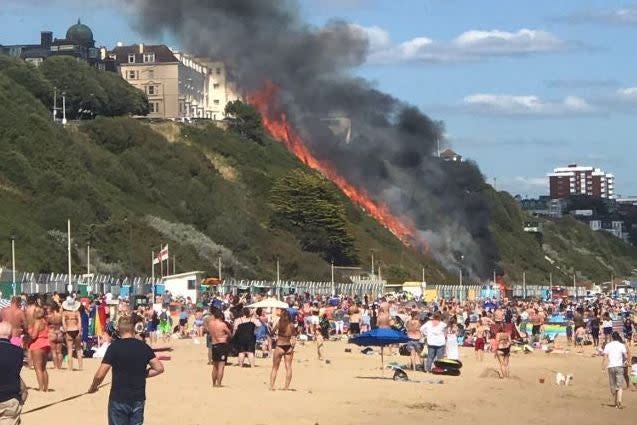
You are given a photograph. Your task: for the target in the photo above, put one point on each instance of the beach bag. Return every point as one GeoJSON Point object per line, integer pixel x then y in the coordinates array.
{"type": "Point", "coordinates": [403, 350]}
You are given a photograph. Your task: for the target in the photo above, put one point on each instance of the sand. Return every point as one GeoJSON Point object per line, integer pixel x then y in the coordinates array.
{"type": "Point", "coordinates": [349, 390]}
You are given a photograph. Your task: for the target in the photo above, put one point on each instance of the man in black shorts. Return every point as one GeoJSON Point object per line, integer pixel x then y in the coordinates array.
{"type": "Point", "coordinates": [220, 335]}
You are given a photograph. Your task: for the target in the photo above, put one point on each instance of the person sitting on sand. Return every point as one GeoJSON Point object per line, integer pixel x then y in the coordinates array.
{"type": "Point", "coordinates": [285, 342]}
{"type": "Point", "coordinates": [503, 350]}
{"type": "Point", "coordinates": [220, 336]}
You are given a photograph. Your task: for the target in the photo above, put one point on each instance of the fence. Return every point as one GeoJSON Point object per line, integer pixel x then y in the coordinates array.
{"type": "Point", "coordinates": [32, 283]}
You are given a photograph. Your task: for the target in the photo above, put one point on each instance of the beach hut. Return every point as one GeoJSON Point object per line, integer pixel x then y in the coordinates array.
{"type": "Point", "coordinates": [184, 284]}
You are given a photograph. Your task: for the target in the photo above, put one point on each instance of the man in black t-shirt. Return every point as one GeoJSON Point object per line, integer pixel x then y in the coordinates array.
{"type": "Point", "coordinates": [129, 357]}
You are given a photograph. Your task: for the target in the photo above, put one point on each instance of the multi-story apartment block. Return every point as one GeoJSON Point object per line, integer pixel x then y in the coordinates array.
{"type": "Point", "coordinates": [579, 180]}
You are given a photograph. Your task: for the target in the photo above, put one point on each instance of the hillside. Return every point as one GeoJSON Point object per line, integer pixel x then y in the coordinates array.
{"type": "Point", "coordinates": [130, 186]}
{"type": "Point", "coordinates": [570, 245]}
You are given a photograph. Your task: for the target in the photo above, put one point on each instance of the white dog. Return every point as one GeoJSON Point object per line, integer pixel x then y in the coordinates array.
{"type": "Point", "coordinates": [562, 379]}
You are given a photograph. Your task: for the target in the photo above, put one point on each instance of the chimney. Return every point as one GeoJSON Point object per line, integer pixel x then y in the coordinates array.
{"type": "Point", "coordinates": [46, 39]}
{"type": "Point", "coordinates": [141, 48]}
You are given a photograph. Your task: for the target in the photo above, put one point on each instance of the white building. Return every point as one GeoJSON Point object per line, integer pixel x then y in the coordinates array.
{"type": "Point", "coordinates": [184, 285]}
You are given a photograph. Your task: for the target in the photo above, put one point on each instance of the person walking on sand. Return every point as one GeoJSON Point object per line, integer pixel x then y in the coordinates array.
{"type": "Point", "coordinates": [285, 341]}
{"type": "Point", "coordinates": [434, 331]}
{"type": "Point", "coordinates": [72, 322]}
{"type": "Point", "coordinates": [414, 345]}
{"type": "Point", "coordinates": [614, 358]}
{"type": "Point", "coordinates": [503, 350]}
{"type": "Point", "coordinates": [39, 348]}
{"type": "Point", "coordinates": [131, 361]}
{"type": "Point", "coordinates": [220, 336]}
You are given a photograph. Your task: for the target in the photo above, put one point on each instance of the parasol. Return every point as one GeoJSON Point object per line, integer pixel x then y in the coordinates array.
{"type": "Point", "coordinates": [269, 303]}
{"type": "Point", "coordinates": [380, 337]}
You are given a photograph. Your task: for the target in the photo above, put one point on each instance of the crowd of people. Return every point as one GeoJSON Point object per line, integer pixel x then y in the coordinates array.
{"type": "Point", "coordinates": [63, 330]}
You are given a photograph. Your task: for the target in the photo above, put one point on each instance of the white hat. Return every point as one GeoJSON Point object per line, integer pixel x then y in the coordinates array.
{"type": "Point", "coordinates": [71, 304]}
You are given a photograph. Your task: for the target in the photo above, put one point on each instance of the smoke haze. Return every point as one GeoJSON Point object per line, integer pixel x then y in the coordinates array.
{"type": "Point", "coordinates": [391, 153]}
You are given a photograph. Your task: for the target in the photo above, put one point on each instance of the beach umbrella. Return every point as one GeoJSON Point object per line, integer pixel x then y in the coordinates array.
{"type": "Point", "coordinates": [269, 303]}
{"type": "Point", "coordinates": [4, 303]}
{"type": "Point", "coordinates": [380, 337]}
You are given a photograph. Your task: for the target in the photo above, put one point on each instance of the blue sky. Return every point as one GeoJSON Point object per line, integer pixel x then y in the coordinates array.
{"type": "Point", "coordinates": [523, 86]}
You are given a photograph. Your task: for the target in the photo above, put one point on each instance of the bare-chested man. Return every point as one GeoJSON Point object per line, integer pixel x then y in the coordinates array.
{"type": "Point", "coordinates": [384, 318]}
{"type": "Point", "coordinates": [72, 322]}
{"type": "Point", "coordinates": [16, 317]}
{"type": "Point", "coordinates": [384, 321]}
{"type": "Point", "coordinates": [220, 335]}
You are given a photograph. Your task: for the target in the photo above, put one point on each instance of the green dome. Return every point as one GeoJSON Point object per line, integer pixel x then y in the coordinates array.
{"type": "Point", "coordinates": [80, 34]}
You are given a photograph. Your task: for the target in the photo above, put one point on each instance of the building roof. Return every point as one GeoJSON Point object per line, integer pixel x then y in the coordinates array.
{"type": "Point", "coordinates": [448, 153]}
{"type": "Point", "coordinates": [162, 53]}
{"type": "Point", "coordinates": [80, 34]}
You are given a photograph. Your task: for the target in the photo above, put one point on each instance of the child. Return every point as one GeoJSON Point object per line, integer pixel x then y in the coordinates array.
{"type": "Point", "coordinates": [480, 342]}
{"type": "Point", "coordinates": [569, 332]}
{"type": "Point", "coordinates": [580, 335]}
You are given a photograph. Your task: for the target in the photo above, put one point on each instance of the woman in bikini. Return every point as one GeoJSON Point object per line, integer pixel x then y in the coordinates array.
{"type": "Point", "coordinates": [40, 347]}
{"type": "Point", "coordinates": [72, 322]}
{"type": "Point", "coordinates": [285, 342]}
{"type": "Point", "coordinates": [56, 336]}
{"type": "Point", "coordinates": [503, 351]}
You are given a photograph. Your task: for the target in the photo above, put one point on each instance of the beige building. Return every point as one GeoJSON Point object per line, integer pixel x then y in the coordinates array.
{"type": "Point", "coordinates": [177, 84]}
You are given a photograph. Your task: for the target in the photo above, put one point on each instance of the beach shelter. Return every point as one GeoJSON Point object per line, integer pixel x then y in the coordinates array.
{"type": "Point", "coordinates": [380, 337]}
{"type": "Point", "coordinates": [269, 303]}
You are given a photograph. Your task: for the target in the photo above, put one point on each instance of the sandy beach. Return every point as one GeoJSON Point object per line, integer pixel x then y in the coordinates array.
{"type": "Point", "coordinates": [349, 390]}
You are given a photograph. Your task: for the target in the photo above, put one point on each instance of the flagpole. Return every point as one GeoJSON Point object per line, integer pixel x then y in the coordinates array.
{"type": "Point", "coordinates": [161, 261]}
{"type": "Point", "coordinates": [152, 274]}
{"type": "Point", "coordinates": [174, 264]}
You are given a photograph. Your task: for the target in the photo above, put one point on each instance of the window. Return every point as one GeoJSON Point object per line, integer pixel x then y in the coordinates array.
{"type": "Point", "coordinates": [218, 71]}
{"type": "Point", "coordinates": [131, 58]}
{"type": "Point", "coordinates": [150, 90]}
{"type": "Point", "coordinates": [192, 284]}
{"type": "Point", "coordinates": [153, 108]}
{"type": "Point", "coordinates": [149, 57]}
{"type": "Point", "coordinates": [216, 101]}
{"type": "Point", "coordinates": [131, 75]}
{"type": "Point", "coordinates": [215, 86]}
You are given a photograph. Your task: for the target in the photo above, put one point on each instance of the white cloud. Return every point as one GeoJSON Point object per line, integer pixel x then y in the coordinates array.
{"type": "Point", "coordinates": [468, 46]}
{"type": "Point", "coordinates": [532, 181]}
{"type": "Point", "coordinates": [628, 94]}
{"type": "Point", "coordinates": [622, 16]}
{"type": "Point", "coordinates": [532, 106]}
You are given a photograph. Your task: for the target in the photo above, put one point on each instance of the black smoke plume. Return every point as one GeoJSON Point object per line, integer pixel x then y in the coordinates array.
{"type": "Point", "coordinates": [391, 151]}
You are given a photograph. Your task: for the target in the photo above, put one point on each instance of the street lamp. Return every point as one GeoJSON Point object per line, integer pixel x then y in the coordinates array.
{"type": "Point", "coordinates": [13, 283]}
{"type": "Point", "coordinates": [460, 274]}
{"type": "Point", "coordinates": [130, 246]}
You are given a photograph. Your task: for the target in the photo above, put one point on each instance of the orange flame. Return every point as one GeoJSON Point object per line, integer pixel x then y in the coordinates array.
{"type": "Point", "coordinates": [276, 123]}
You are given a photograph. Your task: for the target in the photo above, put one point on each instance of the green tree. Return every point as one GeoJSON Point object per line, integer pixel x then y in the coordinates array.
{"type": "Point", "coordinates": [307, 205]}
{"type": "Point", "coordinates": [245, 120]}
{"type": "Point", "coordinates": [91, 92]}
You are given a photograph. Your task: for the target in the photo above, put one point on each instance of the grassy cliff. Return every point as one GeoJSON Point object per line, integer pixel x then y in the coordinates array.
{"type": "Point", "coordinates": [128, 187]}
